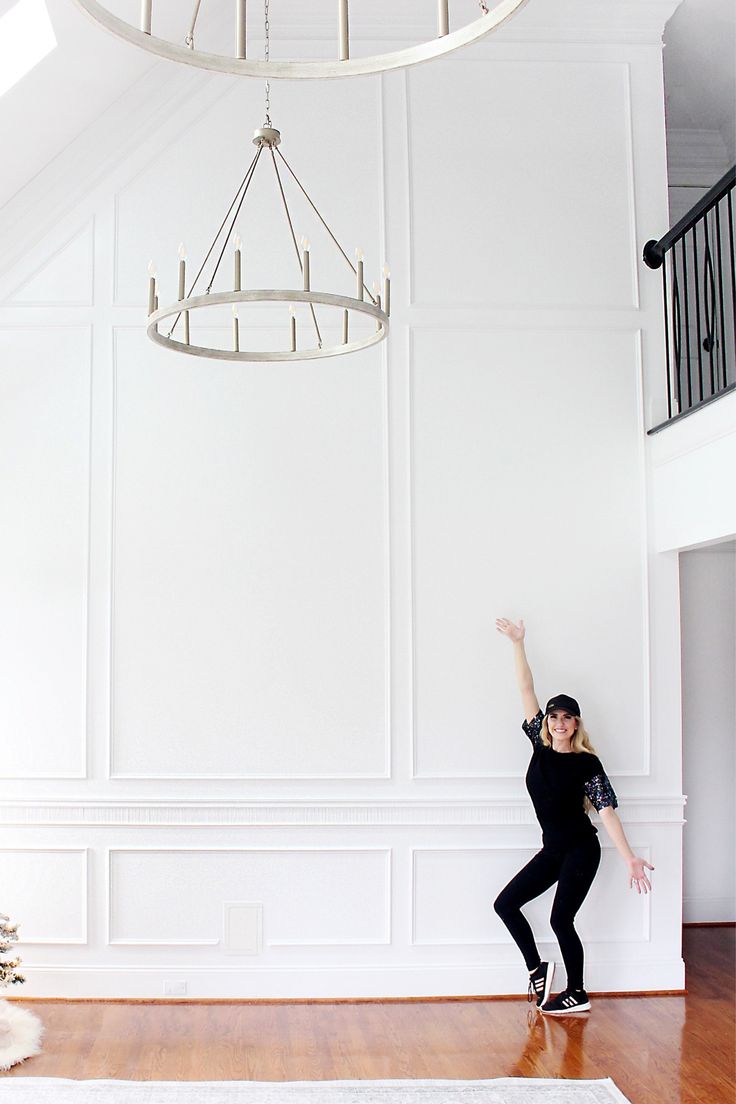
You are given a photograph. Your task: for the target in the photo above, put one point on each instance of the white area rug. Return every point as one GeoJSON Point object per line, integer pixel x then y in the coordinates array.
{"type": "Point", "coordinates": [505, 1090]}
{"type": "Point", "coordinates": [20, 1034]}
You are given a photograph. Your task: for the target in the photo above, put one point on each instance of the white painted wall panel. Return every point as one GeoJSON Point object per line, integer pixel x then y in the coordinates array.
{"type": "Point", "coordinates": [250, 600]}
{"type": "Point", "coordinates": [44, 492]}
{"type": "Point", "coordinates": [692, 487]}
{"type": "Point", "coordinates": [454, 891]}
{"type": "Point", "coordinates": [527, 503]}
{"type": "Point", "coordinates": [546, 223]}
{"type": "Point", "coordinates": [44, 891]}
{"type": "Point", "coordinates": [309, 897]}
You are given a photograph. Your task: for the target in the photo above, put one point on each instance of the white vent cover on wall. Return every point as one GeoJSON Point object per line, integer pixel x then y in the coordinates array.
{"type": "Point", "coordinates": [242, 928]}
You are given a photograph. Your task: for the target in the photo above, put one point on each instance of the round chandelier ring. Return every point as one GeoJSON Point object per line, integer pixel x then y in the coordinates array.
{"type": "Point", "coordinates": [295, 70]}
{"type": "Point", "coordinates": [322, 298]}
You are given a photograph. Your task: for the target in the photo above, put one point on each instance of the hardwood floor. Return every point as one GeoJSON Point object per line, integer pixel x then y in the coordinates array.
{"type": "Point", "coordinates": [658, 1050]}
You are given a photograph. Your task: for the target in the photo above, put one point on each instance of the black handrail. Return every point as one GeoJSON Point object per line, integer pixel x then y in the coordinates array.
{"type": "Point", "coordinates": [697, 259]}
{"type": "Point", "coordinates": [654, 251]}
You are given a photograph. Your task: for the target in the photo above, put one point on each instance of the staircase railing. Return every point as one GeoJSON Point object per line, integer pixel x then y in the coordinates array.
{"type": "Point", "coordinates": [699, 291]}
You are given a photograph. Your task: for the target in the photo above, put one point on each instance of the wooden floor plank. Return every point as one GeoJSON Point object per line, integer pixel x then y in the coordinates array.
{"type": "Point", "coordinates": [658, 1050]}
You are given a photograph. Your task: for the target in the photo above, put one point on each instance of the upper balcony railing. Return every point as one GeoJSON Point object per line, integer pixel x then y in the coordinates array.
{"type": "Point", "coordinates": [699, 288]}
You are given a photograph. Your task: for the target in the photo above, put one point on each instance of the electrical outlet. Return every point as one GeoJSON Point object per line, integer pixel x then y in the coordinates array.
{"type": "Point", "coordinates": [175, 988]}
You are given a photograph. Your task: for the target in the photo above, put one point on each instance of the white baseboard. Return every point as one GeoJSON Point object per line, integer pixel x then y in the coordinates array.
{"type": "Point", "coordinates": [709, 910]}
{"type": "Point", "coordinates": [322, 982]}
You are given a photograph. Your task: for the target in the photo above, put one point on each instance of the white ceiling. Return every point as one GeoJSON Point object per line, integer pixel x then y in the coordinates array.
{"type": "Point", "coordinates": [90, 70]}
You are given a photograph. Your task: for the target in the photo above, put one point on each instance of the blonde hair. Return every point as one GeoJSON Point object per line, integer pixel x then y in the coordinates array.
{"type": "Point", "coordinates": [580, 741]}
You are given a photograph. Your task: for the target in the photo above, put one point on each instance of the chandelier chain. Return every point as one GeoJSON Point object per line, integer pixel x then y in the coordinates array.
{"type": "Point", "coordinates": [267, 57]}
{"type": "Point", "coordinates": [483, 6]}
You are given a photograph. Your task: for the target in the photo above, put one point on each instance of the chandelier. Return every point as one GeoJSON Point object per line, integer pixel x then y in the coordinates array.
{"type": "Point", "coordinates": [181, 47]}
{"type": "Point", "coordinates": [177, 333]}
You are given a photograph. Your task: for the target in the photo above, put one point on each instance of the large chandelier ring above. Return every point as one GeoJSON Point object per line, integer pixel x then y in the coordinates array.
{"type": "Point", "coordinates": [343, 65]}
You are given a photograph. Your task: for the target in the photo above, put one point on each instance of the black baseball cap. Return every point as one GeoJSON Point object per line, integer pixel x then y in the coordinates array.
{"type": "Point", "coordinates": [564, 703]}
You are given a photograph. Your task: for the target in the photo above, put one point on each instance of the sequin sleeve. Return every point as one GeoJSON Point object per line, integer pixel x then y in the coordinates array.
{"type": "Point", "coordinates": [533, 729]}
{"type": "Point", "coordinates": [600, 792]}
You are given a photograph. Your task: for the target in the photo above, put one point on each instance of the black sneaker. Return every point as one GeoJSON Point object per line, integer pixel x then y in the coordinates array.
{"type": "Point", "coordinates": [540, 982]}
{"type": "Point", "coordinates": [570, 1000]}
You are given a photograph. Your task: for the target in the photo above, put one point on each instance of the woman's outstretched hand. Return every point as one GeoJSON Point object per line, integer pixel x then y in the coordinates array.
{"type": "Point", "coordinates": [509, 629]}
{"type": "Point", "coordinates": [637, 875]}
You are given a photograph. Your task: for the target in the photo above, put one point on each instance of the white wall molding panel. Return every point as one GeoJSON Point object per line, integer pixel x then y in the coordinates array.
{"type": "Point", "coordinates": [264, 739]}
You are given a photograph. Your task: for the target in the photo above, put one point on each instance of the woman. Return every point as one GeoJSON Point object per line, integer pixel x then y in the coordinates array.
{"type": "Point", "coordinates": [563, 772]}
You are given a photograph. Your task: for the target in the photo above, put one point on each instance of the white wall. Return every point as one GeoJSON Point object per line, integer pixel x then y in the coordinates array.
{"type": "Point", "coordinates": [708, 610]}
{"type": "Point", "coordinates": [249, 653]}
{"type": "Point", "coordinates": [692, 464]}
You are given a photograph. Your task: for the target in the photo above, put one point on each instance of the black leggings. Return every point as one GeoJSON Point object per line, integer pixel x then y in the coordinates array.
{"type": "Point", "coordinates": [574, 870]}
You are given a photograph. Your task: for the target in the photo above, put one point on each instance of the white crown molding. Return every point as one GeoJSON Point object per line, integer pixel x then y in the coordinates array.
{"type": "Point", "coordinates": [638, 22]}
{"type": "Point", "coordinates": [327, 814]}
{"type": "Point", "coordinates": [398, 23]}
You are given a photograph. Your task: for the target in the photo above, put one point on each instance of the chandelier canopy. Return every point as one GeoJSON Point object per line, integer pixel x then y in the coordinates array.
{"type": "Point", "coordinates": [183, 48]}
{"type": "Point", "coordinates": [376, 305]}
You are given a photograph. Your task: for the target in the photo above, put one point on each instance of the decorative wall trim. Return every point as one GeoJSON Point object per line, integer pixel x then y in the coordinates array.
{"type": "Point", "coordinates": [558, 21]}
{"type": "Point", "coordinates": [605, 972]}
{"type": "Point", "coordinates": [167, 813]}
{"type": "Point", "coordinates": [646, 928]}
{"type": "Point", "coordinates": [83, 938]}
{"type": "Point", "coordinates": [570, 306]}
{"type": "Point", "coordinates": [383, 941]}
{"type": "Point", "coordinates": [83, 749]}
{"type": "Point", "coordinates": [385, 773]}
{"type": "Point", "coordinates": [637, 382]}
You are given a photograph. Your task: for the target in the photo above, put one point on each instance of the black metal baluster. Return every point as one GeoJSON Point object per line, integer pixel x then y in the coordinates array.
{"type": "Point", "coordinates": [667, 337]}
{"type": "Point", "coordinates": [677, 331]}
{"type": "Point", "coordinates": [733, 265]}
{"type": "Point", "coordinates": [709, 306]}
{"type": "Point", "coordinates": [687, 322]}
{"type": "Point", "coordinates": [722, 326]}
{"type": "Point", "coordinates": [696, 274]}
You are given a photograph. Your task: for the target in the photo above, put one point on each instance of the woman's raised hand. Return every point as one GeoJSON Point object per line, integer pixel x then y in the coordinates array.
{"type": "Point", "coordinates": [509, 629]}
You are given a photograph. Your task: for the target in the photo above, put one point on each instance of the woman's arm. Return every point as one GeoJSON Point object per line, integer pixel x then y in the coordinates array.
{"type": "Point", "coordinates": [524, 679]}
{"type": "Point", "coordinates": [615, 829]}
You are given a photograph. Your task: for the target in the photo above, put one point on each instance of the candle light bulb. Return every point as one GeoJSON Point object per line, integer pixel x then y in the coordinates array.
{"type": "Point", "coordinates": [235, 310]}
{"type": "Point", "coordinates": [151, 269]}
{"type": "Point", "coordinates": [375, 288]}
{"type": "Point", "coordinates": [386, 272]}
{"type": "Point", "coordinates": [238, 241]}
{"type": "Point", "coordinates": [305, 243]}
{"type": "Point", "coordinates": [292, 311]}
{"type": "Point", "coordinates": [182, 251]}
{"type": "Point", "coordinates": [359, 254]}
